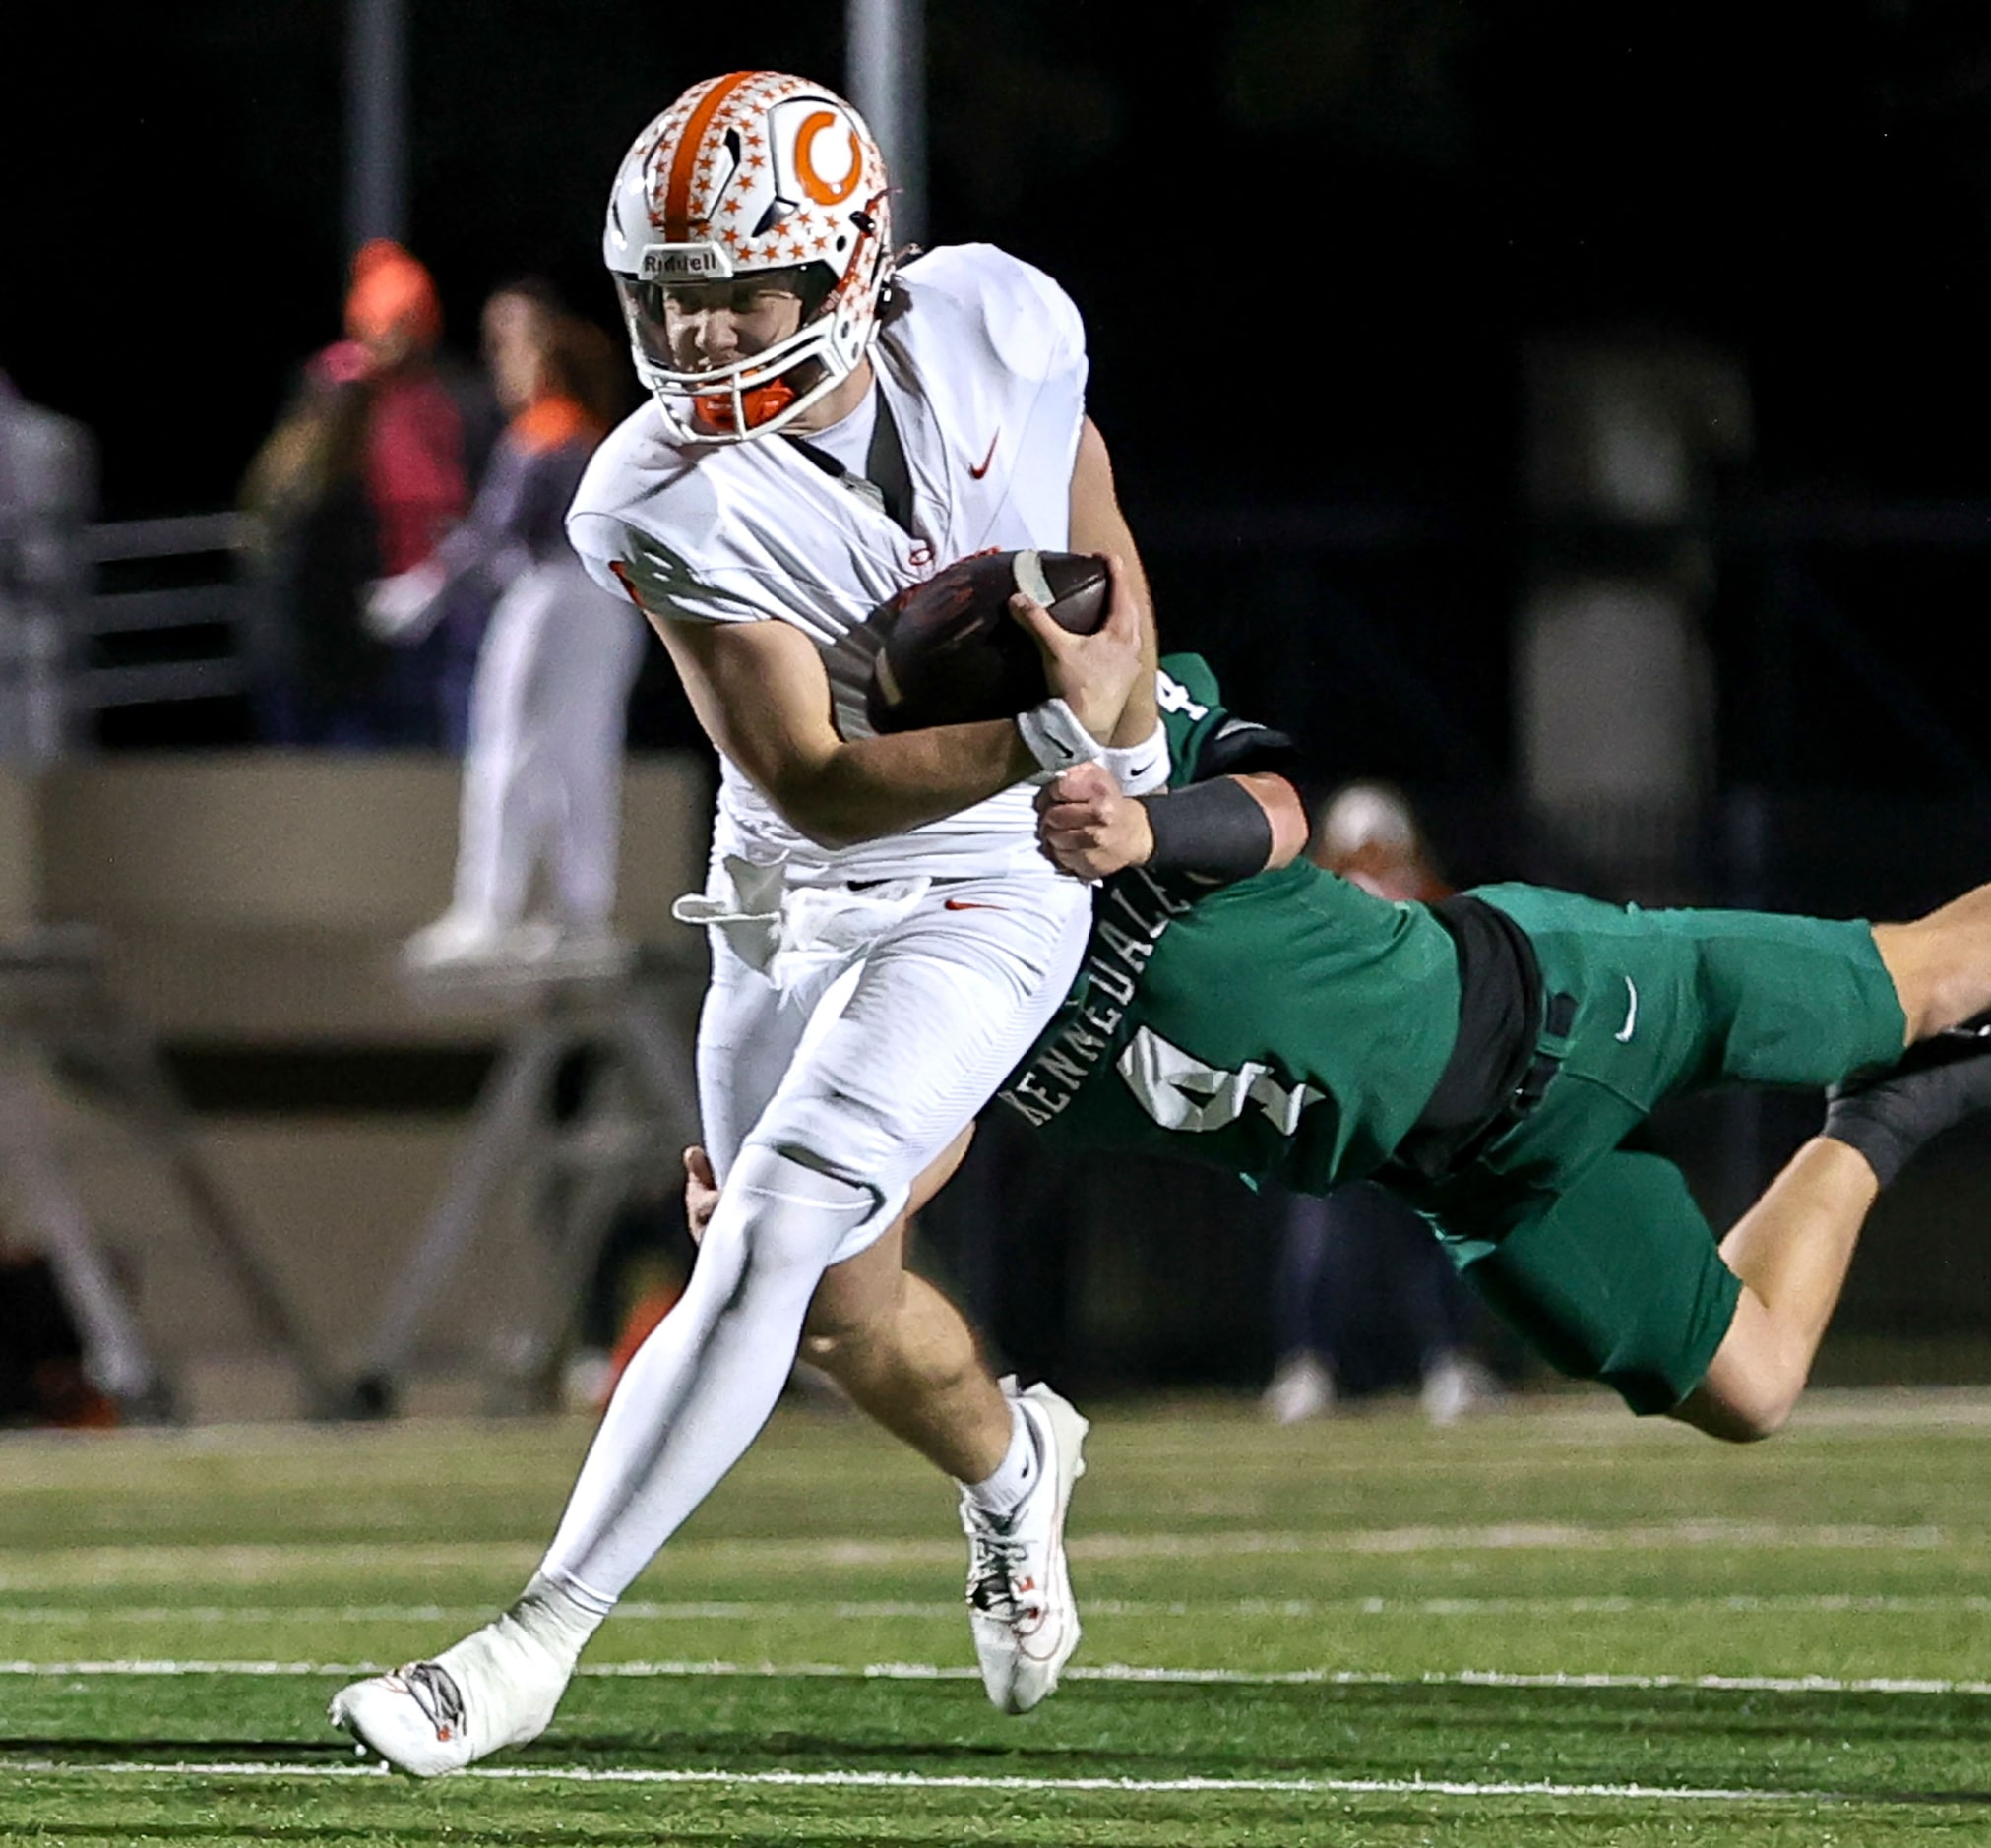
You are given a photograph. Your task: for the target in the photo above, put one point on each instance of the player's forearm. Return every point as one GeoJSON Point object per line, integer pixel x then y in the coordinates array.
{"type": "Point", "coordinates": [1286, 811]}
{"type": "Point", "coordinates": [872, 787]}
{"type": "Point", "coordinates": [1140, 718]}
{"type": "Point", "coordinates": [1099, 526]}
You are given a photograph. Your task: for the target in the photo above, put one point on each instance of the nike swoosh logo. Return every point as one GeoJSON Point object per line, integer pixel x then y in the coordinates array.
{"type": "Point", "coordinates": [1139, 770]}
{"type": "Point", "coordinates": [969, 904]}
{"type": "Point", "coordinates": [977, 473]}
{"type": "Point", "coordinates": [1624, 1033]}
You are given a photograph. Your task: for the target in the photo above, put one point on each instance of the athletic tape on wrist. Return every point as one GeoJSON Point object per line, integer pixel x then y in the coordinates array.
{"type": "Point", "coordinates": [1140, 769]}
{"type": "Point", "coordinates": [1052, 734]}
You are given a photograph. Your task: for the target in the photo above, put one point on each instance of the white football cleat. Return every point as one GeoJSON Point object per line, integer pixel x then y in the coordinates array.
{"type": "Point", "coordinates": [1020, 1604]}
{"type": "Point", "coordinates": [496, 1687]}
{"type": "Point", "coordinates": [462, 941]}
{"type": "Point", "coordinates": [1455, 1386]}
{"type": "Point", "coordinates": [1300, 1389]}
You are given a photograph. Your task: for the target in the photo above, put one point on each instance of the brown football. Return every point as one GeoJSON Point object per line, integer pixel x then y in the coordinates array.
{"type": "Point", "coordinates": [953, 652]}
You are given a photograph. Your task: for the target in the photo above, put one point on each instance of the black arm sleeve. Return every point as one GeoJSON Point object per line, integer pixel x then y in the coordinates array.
{"type": "Point", "coordinates": [1216, 832]}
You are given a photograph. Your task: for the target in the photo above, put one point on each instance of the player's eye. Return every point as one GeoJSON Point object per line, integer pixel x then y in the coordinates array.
{"type": "Point", "coordinates": [652, 301]}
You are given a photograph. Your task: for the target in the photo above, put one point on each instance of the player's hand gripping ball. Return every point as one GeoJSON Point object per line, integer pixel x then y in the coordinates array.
{"type": "Point", "coordinates": [953, 652]}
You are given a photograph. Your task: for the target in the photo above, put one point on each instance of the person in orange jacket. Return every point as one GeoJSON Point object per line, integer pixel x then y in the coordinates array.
{"type": "Point", "coordinates": [372, 463]}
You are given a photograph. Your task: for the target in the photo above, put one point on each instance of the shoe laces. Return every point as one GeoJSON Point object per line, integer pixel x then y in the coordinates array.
{"type": "Point", "coordinates": [995, 1565]}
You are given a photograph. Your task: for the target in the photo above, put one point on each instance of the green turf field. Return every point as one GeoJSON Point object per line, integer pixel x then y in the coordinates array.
{"type": "Point", "coordinates": [1555, 1625]}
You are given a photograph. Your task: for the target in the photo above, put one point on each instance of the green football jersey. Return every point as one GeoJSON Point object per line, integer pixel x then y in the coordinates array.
{"type": "Point", "coordinates": [1292, 1024]}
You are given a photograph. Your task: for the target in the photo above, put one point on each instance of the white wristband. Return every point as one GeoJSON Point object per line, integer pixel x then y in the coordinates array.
{"type": "Point", "coordinates": [1052, 734]}
{"type": "Point", "coordinates": [1141, 769]}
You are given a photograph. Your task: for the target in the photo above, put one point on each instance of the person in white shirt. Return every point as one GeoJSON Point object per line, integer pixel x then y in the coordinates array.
{"type": "Point", "coordinates": [542, 770]}
{"type": "Point", "coordinates": [827, 427]}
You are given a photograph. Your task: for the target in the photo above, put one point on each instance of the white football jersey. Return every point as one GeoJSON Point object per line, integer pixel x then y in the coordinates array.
{"type": "Point", "coordinates": [983, 372]}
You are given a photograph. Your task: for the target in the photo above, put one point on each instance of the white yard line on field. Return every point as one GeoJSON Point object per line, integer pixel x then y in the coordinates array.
{"type": "Point", "coordinates": [1105, 1672]}
{"type": "Point", "coordinates": [914, 1780]}
{"type": "Point", "coordinates": [743, 1609]}
{"type": "Point", "coordinates": [1541, 1536]}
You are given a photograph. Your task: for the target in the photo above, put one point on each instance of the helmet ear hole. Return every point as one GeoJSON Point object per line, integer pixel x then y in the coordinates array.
{"type": "Point", "coordinates": [814, 284]}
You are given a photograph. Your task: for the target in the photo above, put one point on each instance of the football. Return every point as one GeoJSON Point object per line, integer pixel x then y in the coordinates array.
{"type": "Point", "coordinates": [953, 652]}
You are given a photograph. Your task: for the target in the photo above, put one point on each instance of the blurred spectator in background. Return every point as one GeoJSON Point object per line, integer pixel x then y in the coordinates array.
{"type": "Point", "coordinates": [47, 496]}
{"type": "Point", "coordinates": [368, 467]}
{"type": "Point", "coordinates": [542, 776]}
{"type": "Point", "coordinates": [1359, 1274]}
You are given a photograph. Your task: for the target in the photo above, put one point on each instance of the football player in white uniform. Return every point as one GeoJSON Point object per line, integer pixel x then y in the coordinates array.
{"type": "Point", "coordinates": [886, 937]}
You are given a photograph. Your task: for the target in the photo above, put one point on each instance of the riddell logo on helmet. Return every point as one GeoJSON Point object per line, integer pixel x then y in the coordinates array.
{"type": "Point", "coordinates": [684, 263]}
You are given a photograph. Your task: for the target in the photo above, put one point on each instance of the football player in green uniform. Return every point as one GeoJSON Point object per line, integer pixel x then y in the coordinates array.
{"type": "Point", "coordinates": [1486, 1056]}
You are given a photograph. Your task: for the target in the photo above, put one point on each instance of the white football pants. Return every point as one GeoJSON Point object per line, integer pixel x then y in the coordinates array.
{"type": "Point", "coordinates": [543, 770]}
{"type": "Point", "coordinates": [827, 1083]}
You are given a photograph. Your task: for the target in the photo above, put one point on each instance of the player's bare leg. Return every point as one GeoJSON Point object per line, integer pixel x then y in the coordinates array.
{"type": "Point", "coordinates": [900, 1349]}
{"type": "Point", "coordinates": [908, 1359]}
{"type": "Point", "coordinates": [1792, 1249]}
{"type": "Point", "coordinates": [1941, 964]}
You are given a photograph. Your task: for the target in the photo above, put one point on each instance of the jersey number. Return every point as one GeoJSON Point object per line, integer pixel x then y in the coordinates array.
{"type": "Point", "coordinates": [1180, 1092]}
{"type": "Point", "coordinates": [1171, 696]}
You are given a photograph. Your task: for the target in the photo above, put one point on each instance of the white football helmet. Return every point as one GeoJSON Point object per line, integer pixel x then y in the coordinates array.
{"type": "Point", "coordinates": [752, 175]}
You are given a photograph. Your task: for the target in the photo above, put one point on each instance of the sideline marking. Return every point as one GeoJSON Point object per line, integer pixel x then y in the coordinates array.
{"type": "Point", "coordinates": [914, 1780]}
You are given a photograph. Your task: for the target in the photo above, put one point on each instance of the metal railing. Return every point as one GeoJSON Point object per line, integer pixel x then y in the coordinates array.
{"type": "Point", "coordinates": [1324, 616]}
{"type": "Point", "coordinates": [191, 633]}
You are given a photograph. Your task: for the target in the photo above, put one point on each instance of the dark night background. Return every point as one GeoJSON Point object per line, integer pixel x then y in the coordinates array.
{"type": "Point", "coordinates": [1310, 237]}
{"type": "Point", "coordinates": [1314, 241]}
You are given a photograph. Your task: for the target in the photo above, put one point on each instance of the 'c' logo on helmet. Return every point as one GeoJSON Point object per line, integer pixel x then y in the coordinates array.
{"type": "Point", "coordinates": [824, 192]}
